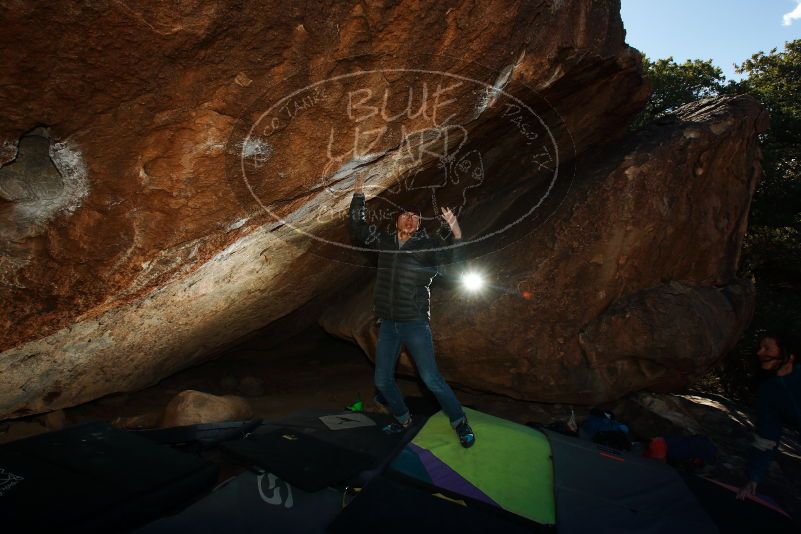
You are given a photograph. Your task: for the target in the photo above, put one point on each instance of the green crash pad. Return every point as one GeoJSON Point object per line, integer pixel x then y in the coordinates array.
{"type": "Point", "coordinates": [509, 463]}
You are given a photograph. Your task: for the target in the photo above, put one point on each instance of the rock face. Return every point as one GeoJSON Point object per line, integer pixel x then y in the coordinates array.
{"type": "Point", "coordinates": [164, 166]}
{"type": "Point", "coordinates": [661, 336]}
{"type": "Point", "coordinates": [631, 285]}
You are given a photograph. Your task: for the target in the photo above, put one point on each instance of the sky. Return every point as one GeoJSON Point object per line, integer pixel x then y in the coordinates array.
{"type": "Point", "coordinates": [725, 31]}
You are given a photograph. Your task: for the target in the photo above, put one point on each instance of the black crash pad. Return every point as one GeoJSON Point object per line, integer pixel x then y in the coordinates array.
{"type": "Point", "coordinates": [390, 506]}
{"type": "Point", "coordinates": [304, 461]}
{"type": "Point", "coordinates": [204, 435]}
{"type": "Point", "coordinates": [93, 477]}
{"type": "Point", "coordinates": [253, 502]}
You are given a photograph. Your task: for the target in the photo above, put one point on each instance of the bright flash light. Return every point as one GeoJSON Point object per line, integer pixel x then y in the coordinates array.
{"type": "Point", "coordinates": [472, 282]}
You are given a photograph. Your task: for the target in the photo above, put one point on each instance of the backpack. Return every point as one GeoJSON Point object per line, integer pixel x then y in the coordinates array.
{"type": "Point", "coordinates": [601, 427]}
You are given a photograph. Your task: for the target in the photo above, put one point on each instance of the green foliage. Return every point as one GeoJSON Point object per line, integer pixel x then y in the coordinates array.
{"type": "Point", "coordinates": [675, 84]}
{"type": "Point", "coordinates": [772, 248]}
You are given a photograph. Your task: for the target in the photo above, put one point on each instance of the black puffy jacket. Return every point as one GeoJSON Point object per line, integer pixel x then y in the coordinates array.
{"type": "Point", "coordinates": [404, 273]}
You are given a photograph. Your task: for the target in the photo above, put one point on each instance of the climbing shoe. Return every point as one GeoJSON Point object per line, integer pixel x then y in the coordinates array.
{"type": "Point", "coordinates": [396, 427]}
{"type": "Point", "coordinates": [466, 435]}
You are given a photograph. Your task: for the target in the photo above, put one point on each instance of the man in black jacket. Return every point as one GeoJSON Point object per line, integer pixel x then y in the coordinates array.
{"type": "Point", "coordinates": [407, 263]}
{"type": "Point", "coordinates": [778, 403]}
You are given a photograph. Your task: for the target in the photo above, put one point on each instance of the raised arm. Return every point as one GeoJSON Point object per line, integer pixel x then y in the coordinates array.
{"type": "Point", "coordinates": [449, 234]}
{"type": "Point", "coordinates": [361, 232]}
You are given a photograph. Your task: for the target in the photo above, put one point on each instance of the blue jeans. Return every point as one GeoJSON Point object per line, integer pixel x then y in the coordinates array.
{"type": "Point", "coordinates": [416, 335]}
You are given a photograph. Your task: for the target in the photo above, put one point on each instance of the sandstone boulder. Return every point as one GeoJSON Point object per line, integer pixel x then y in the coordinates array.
{"type": "Point", "coordinates": [194, 407]}
{"type": "Point", "coordinates": [630, 285]}
{"type": "Point", "coordinates": [134, 241]}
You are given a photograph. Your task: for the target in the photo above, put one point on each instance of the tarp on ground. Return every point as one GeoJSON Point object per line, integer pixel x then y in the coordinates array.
{"type": "Point", "coordinates": [254, 502]}
{"type": "Point", "coordinates": [508, 467]}
{"type": "Point", "coordinates": [94, 477]}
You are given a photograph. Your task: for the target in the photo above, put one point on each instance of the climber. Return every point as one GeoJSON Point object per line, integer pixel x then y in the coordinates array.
{"type": "Point", "coordinates": [778, 403]}
{"type": "Point", "coordinates": [407, 263]}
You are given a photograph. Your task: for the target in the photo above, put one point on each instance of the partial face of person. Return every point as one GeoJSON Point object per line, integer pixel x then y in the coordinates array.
{"type": "Point", "coordinates": [408, 222]}
{"type": "Point", "coordinates": [769, 354]}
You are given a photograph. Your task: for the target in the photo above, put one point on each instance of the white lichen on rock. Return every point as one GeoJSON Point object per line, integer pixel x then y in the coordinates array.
{"type": "Point", "coordinates": [256, 148]}
{"type": "Point", "coordinates": [8, 151]}
{"type": "Point", "coordinates": [72, 167]}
